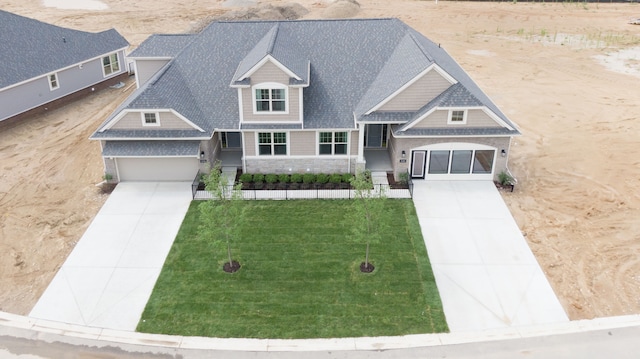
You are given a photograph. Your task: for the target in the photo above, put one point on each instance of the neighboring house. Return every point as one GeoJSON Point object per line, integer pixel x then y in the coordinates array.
{"type": "Point", "coordinates": [43, 66]}
{"type": "Point", "coordinates": [320, 96]}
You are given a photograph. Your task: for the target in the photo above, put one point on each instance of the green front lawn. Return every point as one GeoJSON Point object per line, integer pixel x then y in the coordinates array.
{"type": "Point", "coordinates": [300, 278]}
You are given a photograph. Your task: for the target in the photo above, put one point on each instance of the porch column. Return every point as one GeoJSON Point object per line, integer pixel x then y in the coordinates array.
{"type": "Point", "coordinates": [361, 142]}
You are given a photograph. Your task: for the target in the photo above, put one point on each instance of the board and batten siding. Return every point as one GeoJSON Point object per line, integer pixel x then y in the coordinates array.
{"type": "Point", "coordinates": [168, 121]}
{"type": "Point", "coordinates": [34, 93]}
{"type": "Point", "coordinates": [418, 94]}
{"type": "Point", "coordinates": [271, 73]}
{"type": "Point", "coordinates": [475, 118]}
{"type": "Point", "coordinates": [303, 143]}
{"type": "Point", "coordinates": [145, 69]}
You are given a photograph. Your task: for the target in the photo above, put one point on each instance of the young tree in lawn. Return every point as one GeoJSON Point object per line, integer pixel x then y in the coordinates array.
{"type": "Point", "coordinates": [368, 219]}
{"type": "Point", "coordinates": [222, 215]}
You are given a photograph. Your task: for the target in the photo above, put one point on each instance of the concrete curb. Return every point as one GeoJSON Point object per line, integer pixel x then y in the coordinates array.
{"type": "Point", "coordinates": [9, 321]}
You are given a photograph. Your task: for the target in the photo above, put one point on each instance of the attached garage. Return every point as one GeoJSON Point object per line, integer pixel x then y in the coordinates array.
{"type": "Point", "coordinates": [154, 160]}
{"type": "Point", "coordinates": [453, 161]}
{"type": "Point", "coordinates": [157, 169]}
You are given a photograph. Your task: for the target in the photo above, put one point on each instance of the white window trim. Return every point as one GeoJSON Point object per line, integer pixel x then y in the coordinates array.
{"type": "Point", "coordinates": [332, 143]}
{"type": "Point", "coordinates": [145, 124]}
{"type": "Point", "coordinates": [57, 80]}
{"type": "Point", "coordinates": [104, 74]}
{"type": "Point", "coordinates": [286, 143]}
{"type": "Point", "coordinates": [270, 86]}
{"type": "Point", "coordinates": [464, 117]}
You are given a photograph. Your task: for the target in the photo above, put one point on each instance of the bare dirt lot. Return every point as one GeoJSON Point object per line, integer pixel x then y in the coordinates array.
{"type": "Point", "coordinates": [577, 163]}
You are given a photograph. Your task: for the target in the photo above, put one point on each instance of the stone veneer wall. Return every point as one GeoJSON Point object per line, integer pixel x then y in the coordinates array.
{"type": "Point", "coordinates": [397, 145]}
{"type": "Point", "coordinates": [300, 165]}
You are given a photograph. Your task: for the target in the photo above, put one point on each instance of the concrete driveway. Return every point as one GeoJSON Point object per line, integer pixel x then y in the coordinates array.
{"type": "Point", "coordinates": [107, 279]}
{"type": "Point", "coordinates": [486, 274]}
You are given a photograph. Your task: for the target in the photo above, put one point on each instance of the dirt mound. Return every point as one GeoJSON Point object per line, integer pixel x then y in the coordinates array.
{"type": "Point", "coordinates": [286, 11]}
{"type": "Point", "coordinates": [341, 9]}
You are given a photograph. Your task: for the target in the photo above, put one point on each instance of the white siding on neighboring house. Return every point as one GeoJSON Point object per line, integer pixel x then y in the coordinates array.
{"type": "Point", "coordinates": [418, 94]}
{"type": "Point", "coordinates": [36, 92]}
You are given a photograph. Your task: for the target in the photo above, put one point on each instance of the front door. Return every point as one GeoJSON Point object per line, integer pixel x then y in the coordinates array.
{"type": "Point", "coordinates": [373, 135]}
{"type": "Point", "coordinates": [417, 164]}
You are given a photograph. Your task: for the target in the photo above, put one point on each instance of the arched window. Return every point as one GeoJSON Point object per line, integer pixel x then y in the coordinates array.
{"type": "Point", "coordinates": [270, 97]}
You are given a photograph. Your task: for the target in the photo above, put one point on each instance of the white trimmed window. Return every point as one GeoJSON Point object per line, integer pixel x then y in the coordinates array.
{"type": "Point", "coordinates": [332, 143]}
{"type": "Point", "coordinates": [272, 143]}
{"type": "Point", "coordinates": [53, 82]}
{"type": "Point", "coordinates": [457, 117]}
{"type": "Point", "coordinates": [270, 98]}
{"type": "Point", "coordinates": [110, 64]}
{"type": "Point", "coordinates": [150, 119]}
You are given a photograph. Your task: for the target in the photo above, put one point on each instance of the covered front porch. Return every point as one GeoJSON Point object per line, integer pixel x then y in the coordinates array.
{"type": "Point", "coordinates": [377, 160]}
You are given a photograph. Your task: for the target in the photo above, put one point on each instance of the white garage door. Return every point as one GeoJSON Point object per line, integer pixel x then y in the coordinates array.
{"type": "Point", "coordinates": [453, 161]}
{"type": "Point", "coordinates": [157, 169]}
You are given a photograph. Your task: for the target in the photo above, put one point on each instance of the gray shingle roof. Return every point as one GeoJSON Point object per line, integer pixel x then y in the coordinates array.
{"type": "Point", "coordinates": [111, 134]}
{"type": "Point", "coordinates": [282, 46]}
{"type": "Point", "coordinates": [151, 148]}
{"type": "Point", "coordinates": [31, 48]}
{"type": "Point", "coordinates": [455, 96]}
{"type": "Point", "coordinates": [355, 64]}
{"type": "Point", "coordinates": [162, 45]}
{"type": "Point", "coordinates": [455, 132]}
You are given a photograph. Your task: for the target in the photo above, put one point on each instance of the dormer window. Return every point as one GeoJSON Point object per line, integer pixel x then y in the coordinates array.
{"type": "Point", "coordinates": [457, 117]}
{"type": "Point", "coordinates": [270, 98]}
{"type": "Point", "coordinates": [150, 119]}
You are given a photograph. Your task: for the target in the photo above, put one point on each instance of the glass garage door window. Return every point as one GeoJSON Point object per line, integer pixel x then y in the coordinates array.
{"type": "Point", "coordinates": [461, 161]}
{"type": "Point", "coordinates": [483, 161]}
{"type": "Point", "coordinates": [438, 162]}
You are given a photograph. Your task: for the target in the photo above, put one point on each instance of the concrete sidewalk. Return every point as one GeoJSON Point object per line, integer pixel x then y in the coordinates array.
{"type": "Point", "coordinates": [107, 279]}
{"type": "Point", "coordinates": [486, 274]}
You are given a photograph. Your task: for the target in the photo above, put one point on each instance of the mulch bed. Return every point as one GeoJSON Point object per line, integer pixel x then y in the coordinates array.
{"type": "Point", "coordinates": [364, 268]}
{"type": "Point", "coordinates": [231, 267]}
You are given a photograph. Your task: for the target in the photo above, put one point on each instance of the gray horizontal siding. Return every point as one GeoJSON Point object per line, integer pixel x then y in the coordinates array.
{"type": "Point", "coordinates": [475, 118]}
{"type": "Point", "coordinates": [270, 73]}
{"type": "Point", "coordinates": [36, 92]}
{"type": "Point", "coordinates": [418, 94]}
{"type": "Point", "coordinates": [168, 121]}
{"type": "Point", "coordinates": [145, 69]}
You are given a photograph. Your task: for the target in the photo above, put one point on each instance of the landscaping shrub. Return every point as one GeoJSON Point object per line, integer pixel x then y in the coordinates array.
{"type": "Point", "coordinates": [296, 178]}
{"type": "Point", "coordinates": [322, 178]}
{"type": "Point", "coordinates": [258, 178]}
{"type": "Point", "coordinates": [271, 178]}
{"type": "Point", "coordinates": [335, 178]}
{"type": "Point", "coordinates": [308, 178]}
{"type": "Point", "coordinates": [346, 178]}
{"type": "Point", "coordinates": [246, 177]}
{"type": "Point", "coordinates": [283, 178]}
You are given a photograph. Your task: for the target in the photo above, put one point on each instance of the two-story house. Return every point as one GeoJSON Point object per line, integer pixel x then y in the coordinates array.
{"type": "Point", "coordinates": [43, 66]}
{"type": "Point", "coordinates": [323, 96]}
